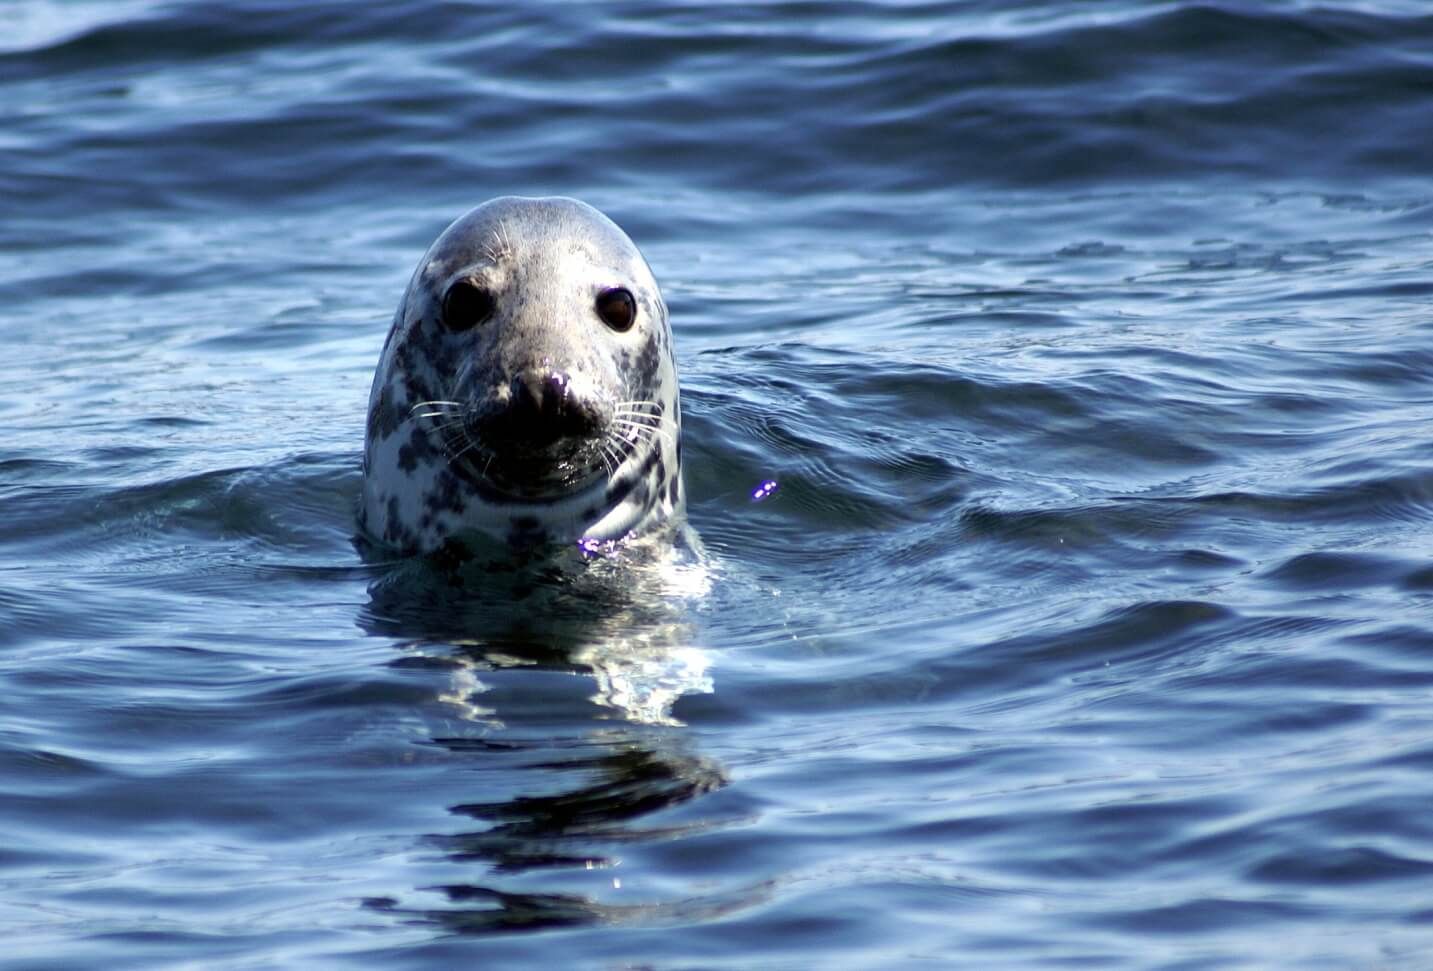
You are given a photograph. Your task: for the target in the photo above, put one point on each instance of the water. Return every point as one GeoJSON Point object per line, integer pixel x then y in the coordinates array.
{"type": "Point", "coordinates": [1089, 623]}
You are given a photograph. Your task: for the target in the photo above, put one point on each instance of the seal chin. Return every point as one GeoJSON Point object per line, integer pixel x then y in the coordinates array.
{"type": "Point", "coordinates": [527, 471]}
{"type": "Point", "coordinates": [546, 474]}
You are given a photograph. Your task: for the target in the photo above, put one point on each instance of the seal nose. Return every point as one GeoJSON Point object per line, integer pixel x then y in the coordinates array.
{"type": "Point", "coordinates": [536, 397]}
{"type": "Point", "coordinates": [541, 410]}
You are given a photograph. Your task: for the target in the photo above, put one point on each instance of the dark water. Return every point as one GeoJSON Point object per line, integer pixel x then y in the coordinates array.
{"type": "Point", "coordinates": [1091, 345]}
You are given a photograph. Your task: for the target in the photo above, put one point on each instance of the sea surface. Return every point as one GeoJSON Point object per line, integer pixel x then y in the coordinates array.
{"type": "Point", "coordinates": [1089, 625]}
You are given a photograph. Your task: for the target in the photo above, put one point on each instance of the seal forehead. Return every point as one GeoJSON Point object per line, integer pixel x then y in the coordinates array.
{"type": "Point", "coordinates": [518, 230]}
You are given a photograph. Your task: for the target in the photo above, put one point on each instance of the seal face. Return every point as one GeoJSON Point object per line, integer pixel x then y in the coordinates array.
{"type": "Point", "coordinates": [527, 389]}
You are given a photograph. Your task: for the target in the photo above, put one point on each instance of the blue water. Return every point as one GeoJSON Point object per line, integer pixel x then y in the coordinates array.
{"type": "Point", "coordinates": [1091, 346]}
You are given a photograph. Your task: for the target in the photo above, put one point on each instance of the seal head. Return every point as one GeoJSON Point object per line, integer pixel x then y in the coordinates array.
{"type": "Point", "coordinates": [527, 389]}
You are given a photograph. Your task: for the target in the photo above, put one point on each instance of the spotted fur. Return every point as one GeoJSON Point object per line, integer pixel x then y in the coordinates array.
{"type": "Point", "coordinates": [428, 474]}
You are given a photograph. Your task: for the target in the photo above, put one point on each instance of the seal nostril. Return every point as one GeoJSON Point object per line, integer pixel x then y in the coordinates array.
{"type": "Point", "coordinates": [554, 395]}
{"type": "Point", "coordinates": [525, 396]}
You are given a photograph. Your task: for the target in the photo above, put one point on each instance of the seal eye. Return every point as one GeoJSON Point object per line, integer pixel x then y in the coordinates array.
{"type": "Point", "coordinates": [617, 308]}
{"type": "Point", "coordinates": [466, 305]}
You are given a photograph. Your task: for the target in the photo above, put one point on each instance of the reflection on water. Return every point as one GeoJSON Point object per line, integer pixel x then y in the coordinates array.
{"type": "Point", "coordinates": [622, 622]}
{"type": "Point", "coordinates": [622, 618]}
{"type": "Point", "coordinates": [642, 679]}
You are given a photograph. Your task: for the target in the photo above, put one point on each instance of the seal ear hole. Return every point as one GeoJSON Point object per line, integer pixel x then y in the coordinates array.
{"type": "Point", "coordinates": [617, 308]}
{"type": "Point", "coordinates": [466, 305]}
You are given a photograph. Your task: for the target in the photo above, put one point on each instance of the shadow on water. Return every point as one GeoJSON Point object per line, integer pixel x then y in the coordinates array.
{"type": "Point", "coordinates": [581, 780]}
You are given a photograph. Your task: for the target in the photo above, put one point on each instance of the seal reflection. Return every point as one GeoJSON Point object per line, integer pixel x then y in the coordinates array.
{"type": "Point", "coordinates": [617, 615]}
{"type": "Point", "coordinates": [587, 784]}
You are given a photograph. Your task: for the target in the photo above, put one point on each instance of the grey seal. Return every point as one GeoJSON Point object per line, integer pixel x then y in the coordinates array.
{"type": "Point", "coordinates": [527, 389]}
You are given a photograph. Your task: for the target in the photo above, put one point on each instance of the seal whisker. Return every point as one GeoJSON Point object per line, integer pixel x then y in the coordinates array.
{"type": "Point", "coordinates": [654, 418]}
{"type": "Point", "coordinates": [641, 420]}
{"type": "Point", "coordinates": [638, 417]}
{"type": "Point", "coordinates": [638, 439]}
{"type": "Point", "coordinates": [435, 409]}
{"type": "Point", "coordinates": [620, 446]}
{"type": "Point", "coordinates": [644, 433]}
{"type": "Point", "coordinates": [640, 403]}
{"type": "Point", "coordinates": [435, 404]}
{"type": "Point", "coordinates": [455, 423]}
{"type": "Point", "coordinates": [469, 443]}
{"type": "Point", "coordinates": [619, 456]}
{"type": "Point", "coordinates": [610, 459]}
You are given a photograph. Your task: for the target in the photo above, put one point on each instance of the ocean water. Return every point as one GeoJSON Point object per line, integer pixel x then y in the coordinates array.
{"type": "Point", "coordinates": [1090, 624]}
